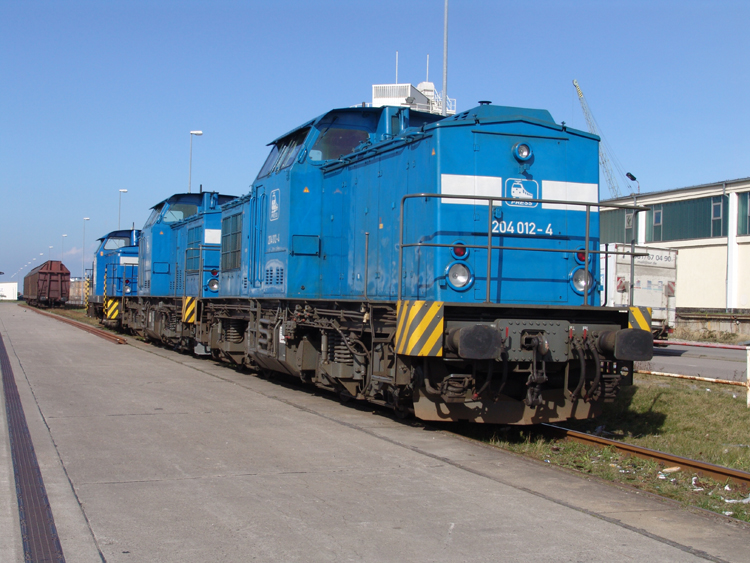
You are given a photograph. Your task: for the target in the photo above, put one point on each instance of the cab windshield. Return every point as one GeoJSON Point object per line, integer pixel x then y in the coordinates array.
{"type": "Point", "coordinates": [154, 215]}
{"type": "Point", "coordinates": [116, 242]}
{"type": "Point", "coordinates": [284, 153]}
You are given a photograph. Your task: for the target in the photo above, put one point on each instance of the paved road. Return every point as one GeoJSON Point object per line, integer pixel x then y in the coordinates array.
{"type": "Point", "coordinates": [706, 362]}
{"type": "Point", "coordinates": [148, 455]}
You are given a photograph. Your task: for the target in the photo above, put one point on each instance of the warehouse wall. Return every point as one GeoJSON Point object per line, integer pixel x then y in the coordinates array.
{"type": "Point", "coordinates": [701, 273]}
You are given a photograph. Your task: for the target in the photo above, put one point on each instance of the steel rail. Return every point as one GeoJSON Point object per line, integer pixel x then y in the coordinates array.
{"type": "Point", "coordinates": [90, 329]}
{"type": "Point", "coordinates": [717, 472]}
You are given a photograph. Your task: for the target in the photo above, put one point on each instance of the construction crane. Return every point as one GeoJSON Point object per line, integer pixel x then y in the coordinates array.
{"type": "Point", "coordinates": [614, 188]}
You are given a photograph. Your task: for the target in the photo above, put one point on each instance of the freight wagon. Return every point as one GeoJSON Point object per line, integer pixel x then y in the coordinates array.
{"type": "Point", "coordinates": [47, 285]}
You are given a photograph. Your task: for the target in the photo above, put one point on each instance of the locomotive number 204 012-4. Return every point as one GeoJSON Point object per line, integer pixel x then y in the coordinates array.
{"type": "Point", "coordinates": [520, 228]}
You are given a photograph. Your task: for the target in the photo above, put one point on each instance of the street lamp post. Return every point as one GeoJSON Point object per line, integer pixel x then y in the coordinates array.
{"type": "Point", "coordinates": [190, 167]}
{"type": "Point", "coordinates": [83, 250]}
{"type": "Point", "coordinates": [119, 208]}
{"type": "Point", "coordinates": [62, 248]}
{"type": "Point", "coordinates": [49, 254]}
{"type": "Point", "coordinates": [634, 179]}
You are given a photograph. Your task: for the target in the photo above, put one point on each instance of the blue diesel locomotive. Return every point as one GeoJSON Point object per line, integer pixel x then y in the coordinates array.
{"type": "Point", "coordinates": [440, 264]}
{"type": "Point", "coordinates": [179, 261]}
{"type": "Point", "coordinates": [114, 275]}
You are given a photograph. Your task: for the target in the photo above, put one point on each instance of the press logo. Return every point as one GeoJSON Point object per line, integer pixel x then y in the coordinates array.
{"type": "Point", "coordinates": [521, 191]}
{"type": "Point", "coordinates": [275, 205]}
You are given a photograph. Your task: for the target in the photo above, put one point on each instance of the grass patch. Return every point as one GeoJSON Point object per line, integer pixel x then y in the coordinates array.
{"type": "Point", "coordinates": [682, 486]}
{"type": "Point", "coordinates": [705, 335]}
{"type": "Point", "coordinates": [707, 422]}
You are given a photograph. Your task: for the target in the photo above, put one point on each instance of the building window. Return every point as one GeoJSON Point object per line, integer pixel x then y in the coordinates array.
{"type": "Point", "coordinates": [688, 219]}
{"type": "Point", "coordinates": [717, 217]}
{"type": "Point", "coordinates": [743, 213]}
{"type": "Point", "coordinates": [618, 225]}
{"type": "Point", "coordinates": [629, 226]}
{"type": "Point", "coordinates": [231, 242]}
{"type": "Point", "coordinates": [657, 218]}
{"type": "Point", "coordinates": [716, 209]}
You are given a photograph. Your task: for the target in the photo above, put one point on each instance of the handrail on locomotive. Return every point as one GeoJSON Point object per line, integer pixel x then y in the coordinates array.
{"type": "Point", "coordinates": [490, 247]}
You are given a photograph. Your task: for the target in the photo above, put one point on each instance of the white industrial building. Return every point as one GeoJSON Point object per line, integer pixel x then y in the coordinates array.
{"type": "Point", "coordinates": [709, 226]}
{"type": "Point", "coordinates": [8, 291]}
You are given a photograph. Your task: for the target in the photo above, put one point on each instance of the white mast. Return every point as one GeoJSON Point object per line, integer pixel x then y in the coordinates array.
{"type": "Point", "coordinates": [445, 61]}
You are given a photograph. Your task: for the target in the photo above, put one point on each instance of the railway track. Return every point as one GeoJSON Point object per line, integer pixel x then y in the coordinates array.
{"type": "Point", "coordinates": [95, 331]}
{"type": "Point", "coordinates": [717, 472]}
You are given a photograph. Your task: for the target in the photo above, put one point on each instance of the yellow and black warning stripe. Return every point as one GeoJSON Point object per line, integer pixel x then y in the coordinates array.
{"type": "Point", "coordinates": [640, 317]}
{"type": "Point", "coordinates": [188, 309]}
{"type": "Point", "coordinates": [419, 329]}
{"type": "Point", "coordinates": [112, 309]}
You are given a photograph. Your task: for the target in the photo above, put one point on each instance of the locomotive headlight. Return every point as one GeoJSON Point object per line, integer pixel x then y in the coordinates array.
{"type": "Point", "coordinates": [127, 289]}
{"type": "Point", "coordinates": [578, 280]}
{"type": "Point", "coordinates": [459, 276]}
{"type": "Point", "coordinates": [522, 152]}
{"type": "Point", "coordinates": [213, 285]}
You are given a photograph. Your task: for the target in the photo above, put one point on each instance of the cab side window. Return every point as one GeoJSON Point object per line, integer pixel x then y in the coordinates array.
{"type": "Point", "coordinates": [180, 211]}
{"type": "Point", "coordinates": [335, 142]}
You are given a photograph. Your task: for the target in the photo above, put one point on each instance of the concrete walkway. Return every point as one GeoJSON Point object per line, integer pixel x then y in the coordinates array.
{"type": "Point", "coordinates": [149, 455]}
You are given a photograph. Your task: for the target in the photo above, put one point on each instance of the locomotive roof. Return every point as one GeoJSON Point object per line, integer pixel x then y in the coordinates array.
{"type": "Point", "coordinates": [190, 196]}
{"type": "Point", "coordinates": [486, 113]}
{"type": "Point", "coordinates": [352, 110]}
{"type": "Point", "coordinates": [121, 233]}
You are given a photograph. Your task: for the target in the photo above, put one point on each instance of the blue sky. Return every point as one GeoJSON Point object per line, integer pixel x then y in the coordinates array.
{"type": "Point", "coordinates": [100, 96]}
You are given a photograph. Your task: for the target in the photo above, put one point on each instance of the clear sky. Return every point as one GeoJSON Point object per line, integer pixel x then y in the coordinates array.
{"type": "Point", "coordinates": [99, 96]}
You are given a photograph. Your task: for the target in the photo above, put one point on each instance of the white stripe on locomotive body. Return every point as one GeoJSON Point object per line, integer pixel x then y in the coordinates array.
{"type": "Point", "coordinates": [213, 236]}
{"type": "Point", "coordinates": [569, 191]}
{"type": "Point", "coordinates": [128, 260]}
{"type": "Point", "coordinates": [458, 184]}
